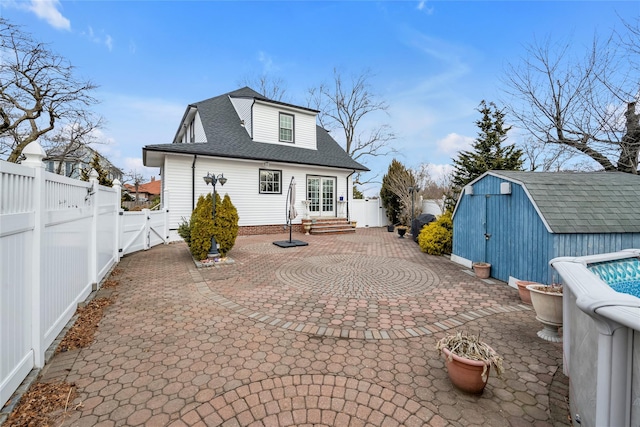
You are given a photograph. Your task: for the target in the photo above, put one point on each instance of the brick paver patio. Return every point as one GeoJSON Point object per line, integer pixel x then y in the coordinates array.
{"type": "Point", "coordinates": [337, 333]}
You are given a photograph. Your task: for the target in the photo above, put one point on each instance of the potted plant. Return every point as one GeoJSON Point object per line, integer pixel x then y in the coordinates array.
{"type": "Point", "coordinates": [390, 228]}
{"type": "Point", "coordinates": [547, 302]}
{"type": "Point", "coordinates": [402, 229]}
{"type": "Point", "coordinates": [482, 270]}
{"type": "Point", "coordinates": [525, 294]}
{"type": "Point", "coordinates": [468, 361]}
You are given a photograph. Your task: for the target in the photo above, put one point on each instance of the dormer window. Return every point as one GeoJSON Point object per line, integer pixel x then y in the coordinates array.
{"type": "Point", "coordinates": [286, 127]}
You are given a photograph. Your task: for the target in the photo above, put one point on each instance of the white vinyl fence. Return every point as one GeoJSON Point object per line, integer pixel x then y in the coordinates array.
{"type": "Point", "coordinates": [368, 213]}
{"type": "Point", "coordinates": [59, 237]}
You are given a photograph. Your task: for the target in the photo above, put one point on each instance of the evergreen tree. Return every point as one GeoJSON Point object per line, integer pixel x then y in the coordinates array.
{"type": "Point", "coordinates": [391, 199]}
{"type": "Point", "coordinates": [357, 194]}
{"type": "Point", "coordinates": [201, 227]}
{"type": "Point", "coordinates": [225, 226]}
{"type": "Point", "coordinates": [487, 152]}
{"type": "Point", "coordinates": [103, 175]}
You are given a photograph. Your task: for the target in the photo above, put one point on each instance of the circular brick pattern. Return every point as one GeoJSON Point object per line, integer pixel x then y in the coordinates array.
{"type": "Point", "coordinates": [357, 277]}
{"type": "Point", "coordinates": [314, 400]}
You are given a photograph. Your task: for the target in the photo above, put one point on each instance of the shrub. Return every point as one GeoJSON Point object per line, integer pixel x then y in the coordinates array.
{"type": "Point", "coordinates": [436, 237]}
{"type": "Point", "coordinates": [184, 230]}
{"type": "Point", "coordinates": [201, 227]}
{"type": "Point", "coordinates": [225, 227]}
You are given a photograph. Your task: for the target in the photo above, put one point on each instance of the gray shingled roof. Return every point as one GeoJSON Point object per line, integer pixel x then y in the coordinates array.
{"type": "Point", "coordinates": [227, 138]}
{"type": "Point", "coordinates": [583, 202]}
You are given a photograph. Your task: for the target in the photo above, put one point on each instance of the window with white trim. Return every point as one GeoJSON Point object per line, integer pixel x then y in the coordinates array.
{"type": "Point", "coordinates": [286, 127]}
{"type": "Point", "coordinates": [270, 181]}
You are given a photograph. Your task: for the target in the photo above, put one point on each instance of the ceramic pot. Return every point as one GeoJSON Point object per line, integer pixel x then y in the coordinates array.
{"type": "Point", "coordinates": [482, 270]}
{"type": "Point", "coordinates": [466, 374]}
{"type": "Point", "coordinates": [525, 294]}
{"type": "Point", "coordinates": [548, 307]}
{"type": "Point", "coordinates": [401, 232]}
{"type": "Point", "coordinates": [390, 228]}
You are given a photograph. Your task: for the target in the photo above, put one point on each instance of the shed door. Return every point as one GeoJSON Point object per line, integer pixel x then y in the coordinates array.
{"type": "Point", "coordinates": [498, 244]}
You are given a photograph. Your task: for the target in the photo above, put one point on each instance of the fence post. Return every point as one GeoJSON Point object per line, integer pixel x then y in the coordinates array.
{"type": "Point", "coordinates": [116, 250]}
{"type": "Point", "coordinates": [165, 207]}
{"type": "Point", "coordinates": [34, 155]}
{"type": "Point", "coordinates": [93, 252]}
{"type": "Point", "coordinates": [147, 229]}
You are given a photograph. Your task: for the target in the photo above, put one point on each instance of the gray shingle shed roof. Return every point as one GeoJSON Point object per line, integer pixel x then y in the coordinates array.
{"type": "Point", "coordinates": [227, 138]}
{"type": "Point", "coordinates": [583, 202]}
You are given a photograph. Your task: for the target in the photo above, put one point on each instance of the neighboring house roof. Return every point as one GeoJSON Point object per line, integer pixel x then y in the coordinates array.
{"type": "Point", "coordinates": [582, 202]}
{"type": "Point", "coordinates": [227, 138]}
{"type": "Point", "coordinates": [151, 188]}
{"type": "Point", "coordinates": [84, 155]}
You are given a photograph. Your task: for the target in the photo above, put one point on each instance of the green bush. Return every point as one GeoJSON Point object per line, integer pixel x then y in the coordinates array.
{"type": "Point", "coordinates": [225, 227]}
{"type": "Point", "coordinates": [436, 238]}
{"type": "Point", "coordinates": [201, 227]}
{"type": "Point", "coordinates": [184, 230]}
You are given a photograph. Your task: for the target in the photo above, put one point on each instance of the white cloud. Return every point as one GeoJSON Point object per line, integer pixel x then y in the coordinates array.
{"type": "Point", "coordinates": [422, 6]}
{"type": "Point", "coordinates": [102, 38]}
{"type": "Point", "coordinates": [48, 10]}
{"type": "Point", "coordinates": [452, 143]}
{"type": "Point", "coordinates": [266, 60]}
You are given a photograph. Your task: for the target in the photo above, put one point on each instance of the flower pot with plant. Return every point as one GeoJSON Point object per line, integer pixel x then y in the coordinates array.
{"type": "Point", "coordinates": [482, 270]}
{"type": "Point", "coordinates": [547, 302]}
{"type": "Point", "coordinates": [468, 361]}
{"type": "Point", "coordinates": [401, 229]}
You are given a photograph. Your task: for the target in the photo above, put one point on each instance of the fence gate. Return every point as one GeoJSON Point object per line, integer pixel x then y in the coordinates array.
{"type": "Point", "coordinates": [143, 230]}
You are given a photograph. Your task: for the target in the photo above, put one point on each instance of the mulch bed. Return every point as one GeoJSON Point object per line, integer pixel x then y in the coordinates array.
{"type": "Point", "coordinates": [47, 404]}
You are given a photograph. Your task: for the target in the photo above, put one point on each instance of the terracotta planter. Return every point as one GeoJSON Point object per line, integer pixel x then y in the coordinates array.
{"type": "Point", "coordinates": [548, 307]}
{"type": "Point", "coordinates": [466, 374]}
{"type": "Point", "coordinates": [525, 294]}
{"type": "Point", "coordinates": [482, 270]}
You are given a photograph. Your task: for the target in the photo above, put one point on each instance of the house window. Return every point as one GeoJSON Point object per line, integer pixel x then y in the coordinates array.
{"type": "Point", "coordinates": [50, 166]}
{"type": "Point", "coordinates": [270, 181]}
{"type": "Point", "coordinates": [286, 127]}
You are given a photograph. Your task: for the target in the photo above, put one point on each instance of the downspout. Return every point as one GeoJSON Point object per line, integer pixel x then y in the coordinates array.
{"type": "Point", "coordinates": [347, 180]}
{"type": "Point", "coordinates": [193, 183]}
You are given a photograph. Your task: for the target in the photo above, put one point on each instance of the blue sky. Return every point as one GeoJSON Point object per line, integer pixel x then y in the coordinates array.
{"type": "Point", "coordinates": [433, 61]}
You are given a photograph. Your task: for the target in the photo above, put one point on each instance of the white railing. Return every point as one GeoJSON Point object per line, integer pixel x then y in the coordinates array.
{"type": "Point", "coordinates": [59, 238]}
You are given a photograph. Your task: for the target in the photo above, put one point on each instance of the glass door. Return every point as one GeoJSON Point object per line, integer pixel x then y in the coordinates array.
{"type": "Point", "coordinates": [321, 193]}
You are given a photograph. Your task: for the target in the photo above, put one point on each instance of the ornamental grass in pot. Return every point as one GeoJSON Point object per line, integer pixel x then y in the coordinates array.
{"type": "Point", "coordinates": [468, 361]}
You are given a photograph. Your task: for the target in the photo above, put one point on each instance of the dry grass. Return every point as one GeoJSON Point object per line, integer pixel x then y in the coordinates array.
{"type": "Point", "coordinates": [47, 404]}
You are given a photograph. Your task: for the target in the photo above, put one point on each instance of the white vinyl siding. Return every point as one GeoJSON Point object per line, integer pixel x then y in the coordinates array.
{"type": "Point", "coordinates": [253, 208]}
{"type": "Point", "coordinates": [266, 125]}
{"type": "Point", "coordinates": [243, 108]}
{"type": "Point", "coordinates": [176, 180]}
{"type": "Point", "coordinates": [195, 129]}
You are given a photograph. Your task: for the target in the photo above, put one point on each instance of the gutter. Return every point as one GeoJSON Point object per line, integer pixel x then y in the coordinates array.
{"type": "Point", "coordinates": [193, 182]}
{"type": "Point", "coordinates": [347, 181]}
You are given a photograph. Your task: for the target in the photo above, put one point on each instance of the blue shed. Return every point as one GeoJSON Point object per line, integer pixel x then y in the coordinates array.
{"type": "Point", "coordinates": [518, 221]}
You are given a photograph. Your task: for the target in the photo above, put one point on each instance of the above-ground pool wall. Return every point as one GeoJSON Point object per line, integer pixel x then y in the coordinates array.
{"type": "Point", "coordinates": [583, 361]}
{"type": "Point", "coordinates": [519, 245]}
{"type": "Point", "coordinates": [635, 381]}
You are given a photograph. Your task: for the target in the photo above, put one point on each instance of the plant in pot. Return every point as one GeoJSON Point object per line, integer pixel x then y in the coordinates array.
{"type": "Point", "coordinates": [482, 270]}
{"type": "Point", "coordinates": [523, 292]}
{"type": "Point", "coordinates": [468, 361]}
{"type": "Point", "coordinates": [401, 229]}
{"type": "Point", "coordinates": [547, 302]}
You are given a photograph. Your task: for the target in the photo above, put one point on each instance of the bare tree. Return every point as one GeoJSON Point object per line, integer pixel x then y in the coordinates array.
{"type": "Point", "coordinates": [587, 104]}
{"type": "Point", "coordinates": [270, 87]}
{"type": "Point", "coordinates": [69, 141]}
{"type": "Point", "coordinates": [38, 90]}
{"type": "Point", "coordinates": [344, 106]}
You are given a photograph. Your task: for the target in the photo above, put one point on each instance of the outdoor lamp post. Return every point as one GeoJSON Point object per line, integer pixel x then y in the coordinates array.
{"type": "Point", "coordinates": [213, 180]}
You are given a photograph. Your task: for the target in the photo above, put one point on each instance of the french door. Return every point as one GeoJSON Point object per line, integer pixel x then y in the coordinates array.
{"type": "Point", "coordinates": [321, 193]}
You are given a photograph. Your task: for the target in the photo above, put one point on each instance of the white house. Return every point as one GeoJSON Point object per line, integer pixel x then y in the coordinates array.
{"type": "Point", "coordinates": [259, 145]}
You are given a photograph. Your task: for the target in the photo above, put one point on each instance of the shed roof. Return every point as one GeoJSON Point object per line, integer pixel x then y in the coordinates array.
{"type": "Point", "coordinates": [227, 138]}
{"type": "Point", "coordinates": [583, 202]}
